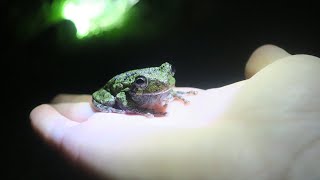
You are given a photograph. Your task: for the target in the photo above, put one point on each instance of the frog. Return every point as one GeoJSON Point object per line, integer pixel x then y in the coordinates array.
{"type": "Point", "coordinates": [145, 91]}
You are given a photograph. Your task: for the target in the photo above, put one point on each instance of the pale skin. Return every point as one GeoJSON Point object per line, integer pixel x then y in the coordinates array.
{"type": "Point", "coordinates": [264, 127]}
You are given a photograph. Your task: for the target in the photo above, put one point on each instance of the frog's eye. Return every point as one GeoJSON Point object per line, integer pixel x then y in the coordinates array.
{"type": "Point", "coordinates": [141, 82]}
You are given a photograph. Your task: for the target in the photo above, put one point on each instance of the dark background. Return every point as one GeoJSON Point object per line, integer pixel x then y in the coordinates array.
{"type": "Point", "coordinates": [207, 41]}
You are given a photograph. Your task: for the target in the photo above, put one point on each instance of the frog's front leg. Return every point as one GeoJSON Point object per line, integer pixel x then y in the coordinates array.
{"type": "Point", "coordinates": [180, 95]}
{"type": "Point", "coordinates": [131, 107]}
{"type": "Point", "coordinates": [105, 108]}
{"type": "Point", "coordinates": [104, 101]}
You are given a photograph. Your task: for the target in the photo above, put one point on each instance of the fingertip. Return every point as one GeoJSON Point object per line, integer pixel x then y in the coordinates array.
{"type": "Point", "coordinates": [262, 57]}
{"type": "Point", "coordinates": [35, 117]}
{"type": "Point", "coordinates": [49, 123]}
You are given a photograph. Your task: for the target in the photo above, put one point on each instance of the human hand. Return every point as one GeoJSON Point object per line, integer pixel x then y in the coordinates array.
{"type": "Point", "coordinates": [265, 127]}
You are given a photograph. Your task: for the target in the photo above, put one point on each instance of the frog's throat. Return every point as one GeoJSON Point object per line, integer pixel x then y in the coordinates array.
{"type": "Point", "coordinates": [155, 93]}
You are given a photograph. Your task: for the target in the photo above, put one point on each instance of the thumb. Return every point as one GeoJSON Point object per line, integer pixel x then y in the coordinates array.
{"type": "Point", "coordinates": [262, 57]}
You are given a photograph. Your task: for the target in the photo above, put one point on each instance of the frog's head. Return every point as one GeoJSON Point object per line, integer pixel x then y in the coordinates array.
{"type": "Point", "coordinates": [154, 80]}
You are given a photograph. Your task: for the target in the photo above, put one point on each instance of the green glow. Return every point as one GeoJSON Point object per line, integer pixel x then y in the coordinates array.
{"type": "Point", "coordinates": [94, 16]}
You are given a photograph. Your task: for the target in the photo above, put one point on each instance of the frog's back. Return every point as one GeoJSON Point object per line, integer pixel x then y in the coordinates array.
{"type": "Point", "coordinates": [125, 79]}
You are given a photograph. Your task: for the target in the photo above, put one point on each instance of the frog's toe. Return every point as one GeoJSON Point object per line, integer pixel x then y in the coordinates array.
{"type": "Point", "coordinates": [149, 115]}
{"type": "Point", "coordinates": [192, 92]}
{"type": "Point", "coordinates": [119, 111]}
{"type": "Point", "coordinates": [186, 101]}
{"type": "Point", "coordinates": [155, 114]}
{"type": "Point", "coordinates": [160, 114]}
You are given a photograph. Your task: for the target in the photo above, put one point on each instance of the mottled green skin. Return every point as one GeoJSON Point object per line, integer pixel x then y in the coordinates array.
{"type": "Point", "coordinates": [123, 94]}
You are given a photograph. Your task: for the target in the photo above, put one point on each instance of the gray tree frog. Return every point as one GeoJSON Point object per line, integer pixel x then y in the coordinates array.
{"type": "Point", "coordinates": [140, 91]}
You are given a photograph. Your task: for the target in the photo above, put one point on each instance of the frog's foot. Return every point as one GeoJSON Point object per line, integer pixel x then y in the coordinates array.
{"type": "Point", "coordinates": [180, 95]}
{"type": "Point", "coordinates": [107, 109]}
{"type": "Point", "coordinates": [157, 114]}
{"type": "Point", "coordinates": [149, 113]}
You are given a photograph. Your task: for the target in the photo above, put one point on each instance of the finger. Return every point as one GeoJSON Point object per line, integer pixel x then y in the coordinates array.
{"type": "Point", "coordinates": [62, 98]}
{"type": "Point", "coordinates": [77, 112]}
{"type": "Point", "coordinates": [284, 90]}
{"type": "Point", "coordinates": [262, 57]}
{"type": "Point", "coordinates": [49, 123]}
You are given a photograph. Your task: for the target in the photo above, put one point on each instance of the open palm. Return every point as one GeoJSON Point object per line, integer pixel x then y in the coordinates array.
{"type": "Point", "coordinates": [265, 127]}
